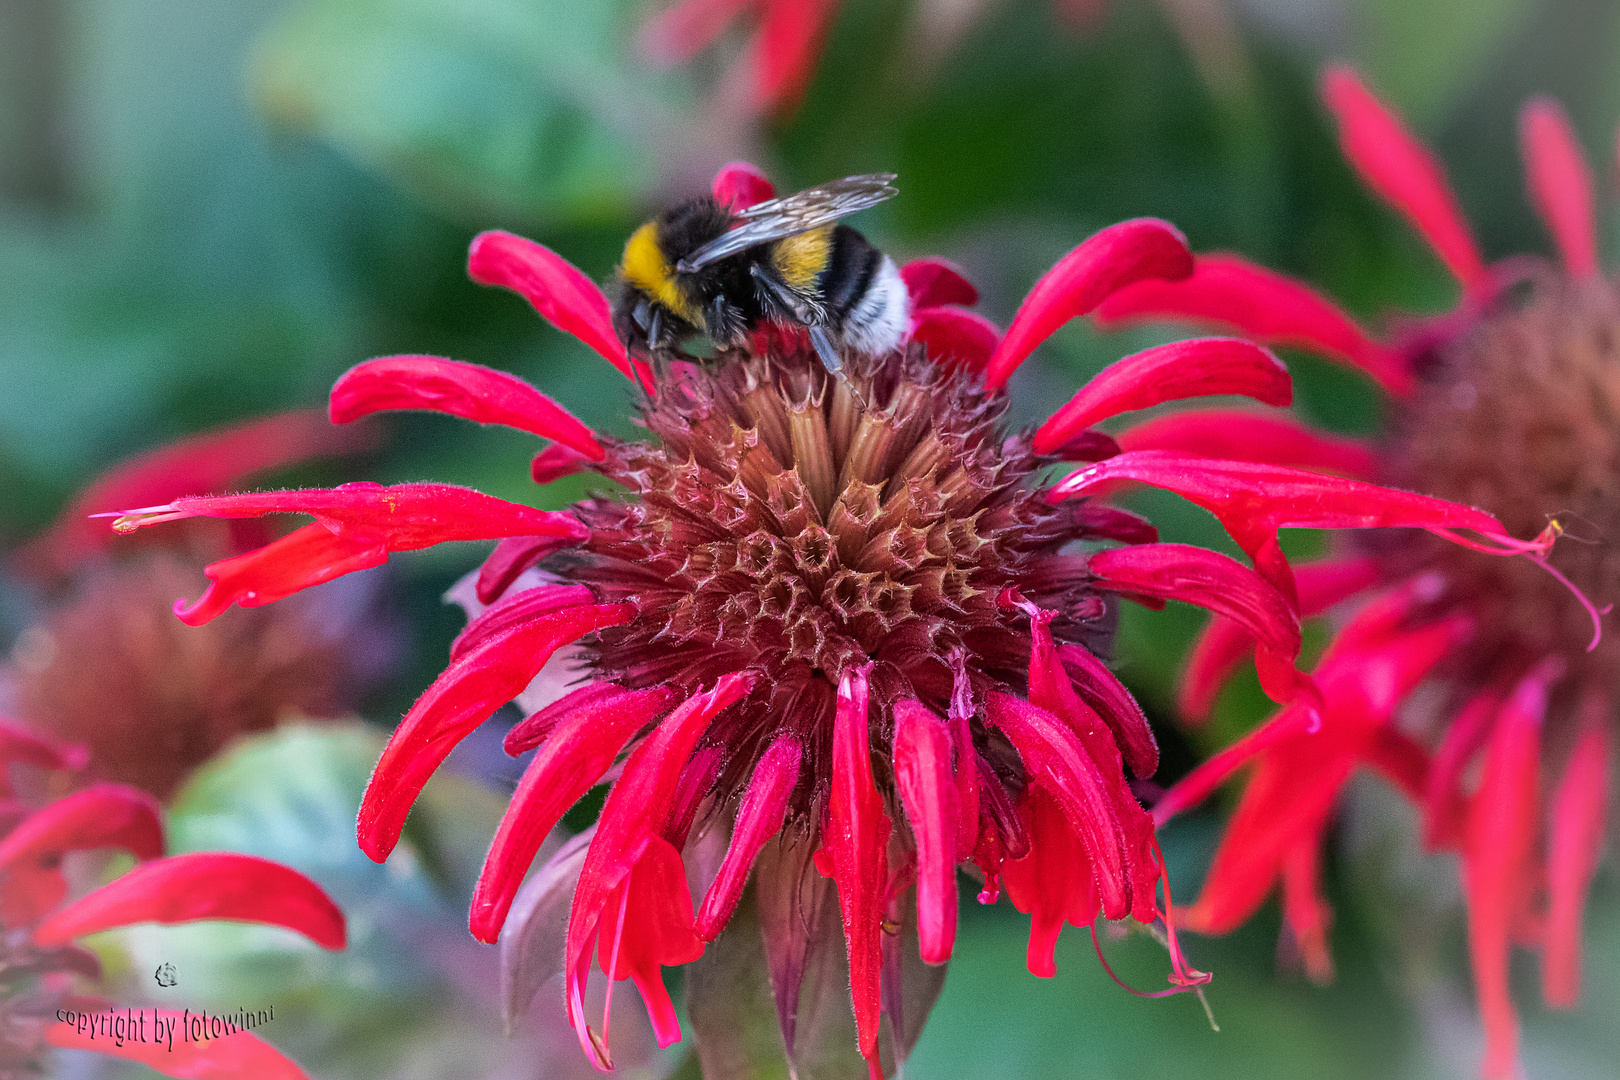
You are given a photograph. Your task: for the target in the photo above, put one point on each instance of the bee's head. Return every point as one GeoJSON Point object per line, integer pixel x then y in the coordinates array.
{"type": "Point", "coordinates": [655, 309]}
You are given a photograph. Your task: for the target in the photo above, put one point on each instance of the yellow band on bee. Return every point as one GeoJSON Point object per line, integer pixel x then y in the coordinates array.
{"type": "Point", "coordinates": [646, 268]}
{"type": "Point", "coordinates": [798, 259]}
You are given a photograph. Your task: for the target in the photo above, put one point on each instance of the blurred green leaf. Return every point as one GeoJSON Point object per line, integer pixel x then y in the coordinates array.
{"type": "Point", "coordinates": [1422, 57]}
{"type": "Point", "coordinates": [498, 108]}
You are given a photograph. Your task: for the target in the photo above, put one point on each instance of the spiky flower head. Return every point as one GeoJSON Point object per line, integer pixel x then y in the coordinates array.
{"type": "Point", "coordinates": [1510, 402]}
{"type": "Point", "coordinates": [847, 624]}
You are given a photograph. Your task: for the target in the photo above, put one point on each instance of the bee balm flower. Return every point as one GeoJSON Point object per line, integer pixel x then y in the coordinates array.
{"type": "Point", "coordinates": [1508, 402]}
{"type": "Point", "coordinates": [848, 622]}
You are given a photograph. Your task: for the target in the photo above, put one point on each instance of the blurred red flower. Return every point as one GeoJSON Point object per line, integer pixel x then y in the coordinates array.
{"type": "Point", "coordinates": [849, 622]}
{"type": "Point", "coordinates": [37, 954]}
{"type": "Point", "coordinates": [1510, 402]}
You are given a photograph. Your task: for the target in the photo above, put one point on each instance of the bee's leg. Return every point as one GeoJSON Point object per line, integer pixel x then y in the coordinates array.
{"type": "Point", "coordinates": [832, 361]}
{"type": "Point", "coordinates": [658, 350]}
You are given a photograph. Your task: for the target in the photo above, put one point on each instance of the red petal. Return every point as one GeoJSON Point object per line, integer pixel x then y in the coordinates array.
{"type": "Point", "coordinates": [922, 773]}
{"type": "Point", "coordinates": [656, 931]}
{"type": "Point", "coordinates": [463, 696]}
{"type": "Point", "coordinates": [1466, 732]}
{"type": "Point", "coordinates": [1097, 521]}
{"type": "Point", "coordinates": [18, 742]}
{"type": "Point", "coordinates": [1579, 810]}
{"type": "Point", "coordinates": [559, 291]}
{"type": "Point", "coordinates": [228, 1057]}
{"type": "Point", "coordinates": [358, 525]}
{"type": "Point", "coordinates": [1113, 258]}
{"type": "Point", "coordinates": [101, 816]}
{"type": "Point", "coordinates": [1223, 644]}
{"type": "Point", "coordinates": [1251, 436]}
{"type": "Point", "coordinates": [1402, 171]}
{"type": "Point", "coordinates": [1053, 884]}
{"type": "Point", "coordinates": [1103, 691]}
{"type": "Point", "coordinates": [532, 730]}
{"type": "Point", "coordinates": [951, 334]}
{"type": "Point", "coordinates": [1305, 909]}
{"type": "Point", "coordinates": [1209, 580]}
{"type": "Point", "coordinates": [1054, 759]}
{"type": "Point", "coordinates": [1560, 183]}
{"type": "Point", "coordinates": [739, 185]}
{"type": "Point", "coordinates": [203, 885]}
{"type": "Point", "coordinates": [685, 28]}
{"type": "Point", "coordinates": [1402, 760]}
{"type": "Point", "coordinates": [510, 558]}
{"type": "Point", "coordinates": [512, 611]}
{"type": "Point", "coordinates": [1498, 861]}
{"type": "Point", "coordinates": [1170, 372]}
{"type": "Point", "coordinates": [555, 462]}
{"type": "Point", "coordinates": [470, 391]}
{"type": "Point", "coordinates": [1088, 445]}
{"type": "Point", "coordinates": [758, 819]}
{"type": "Point", "coordinates": [856, 836]}
{"type": "Point", "coordinates": [937, 282]}
{"type": "Point", "coordinates": [1254, 500]}
{"type": "Point", "coordinates": [785, 52]}
{"type": "Point", "coordinates": [1230, 292]}
{"type": "Point", "coordinates": [576, 755]}
{"type": "Point", "coordinates": [636, 810]}
{"type": "Point", "coordinates": [209, 462]}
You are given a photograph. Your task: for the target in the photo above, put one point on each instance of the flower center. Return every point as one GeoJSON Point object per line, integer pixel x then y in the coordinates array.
{"type": "Point", "coordinates": [788, 524]}
{"type": "Point", "coordinates": [1520, 415]}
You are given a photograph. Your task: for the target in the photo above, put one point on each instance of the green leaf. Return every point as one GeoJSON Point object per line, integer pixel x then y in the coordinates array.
{"type": "Point", "coordinates": [495, 108]}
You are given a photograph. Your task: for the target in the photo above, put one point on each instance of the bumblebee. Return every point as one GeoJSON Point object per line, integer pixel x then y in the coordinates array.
{"type": "Point", "coordinates": [699, 268]}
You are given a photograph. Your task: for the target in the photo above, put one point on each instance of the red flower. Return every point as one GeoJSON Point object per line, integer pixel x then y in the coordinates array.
{"type": "Point", "coordinates": [848, 624]}
{"type": "Point", "coordinates": [101, 663]}
{"type": "Point", "coordinates": [775, 67]}
{"type": "Point", "coordinates": [1507, 402]}
{"type": "Point", "coordinates": [36, 946]}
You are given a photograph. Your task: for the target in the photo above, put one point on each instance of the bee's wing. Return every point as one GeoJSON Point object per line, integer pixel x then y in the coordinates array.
{"type": "Point", "coordinates": [794, 214]}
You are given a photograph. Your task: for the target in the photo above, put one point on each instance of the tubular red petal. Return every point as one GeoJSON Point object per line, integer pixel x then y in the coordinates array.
{"type": "Point", "coordinates": [1467, 732]}
{"type": "Point", "coordinates": [557, 289]}
{"type": "Point", "coordinates": [922, 773]}
{"type": "Point", "coordinates": [18, 742]}
{"type": "Point", "coordinates": [101, 816]}
{"type": "Point", "coordinates": [510, 558]}
{"type": "Point", "coordinates": [208, 462]}
{"type": "Point", "coordinates": [1113, 258]}
{"type": "Point", "coordinates": [1180, 369]}
{"type": "Point", "coordinates": [1096, 520]}
{"type": "Point", "coordinates": [576, 755]}
{"type": "Point", "coordinates": [637, 807]}
{"type": "Point", "coordinates": [466, 694]}
{"type": "Point", "coordinates": [1579, 810]}
{"type": "Point", "coordinates": [509, 612]}
{"type": "Point", "coordinates": [203, 885]}
{"type": "Point", "coordinates": [357, 526]}
{"type": "Point", "coordinates": [1560, 183]}
{"type": "Point", "coordinates": [857, 834]}
{"type": "Point", "coordinates": [739, 185]}
{"type": "Point", "coordinates": [227, 1057]}
{"type": "Point", "coordinates": [1055, 759]}
{"type": "Point", "coordinates": [532, 730]}
{"type": "Point", "coordinates": [1053, 884]}
{"type": "Point", "coordinates": [785, 51]}
{"type": "Point", "coordinates": [1498, 860]}
{"type": "Point", "coordinates": [555, 462]}
{"type": "Point", "coordinates": [470, 391]}
{"type": "Point", "coordinates": [1403, 173]}
{"type": "Point", "coordinates": [1207, 579]}
{"type": "Point", "coordinates": [1251, 436]}
{"type": "Point", "coordinates": [1216, 653]}
{"type": "Point", "coordinates": [1252, 501]}
{"type": "Point", "coordinates": [1088, 445]}
{"type": "Point", "coordinates": [1402, 759]}
{"type": "Point", "coordinates": [1103, 691]}
{"type": "Point", "coordinates": [759, 818]}
{"type": "Point", "coordinates": [937, 282]}
{"type": "Point", "coordinates": [1229, 292]}
{"type": "Point", "coordinates": [1305, 909]}
{"type": "Point", "coordinates": [952, 335]}
{"type": "Point", "coordinates": [656, 932]}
